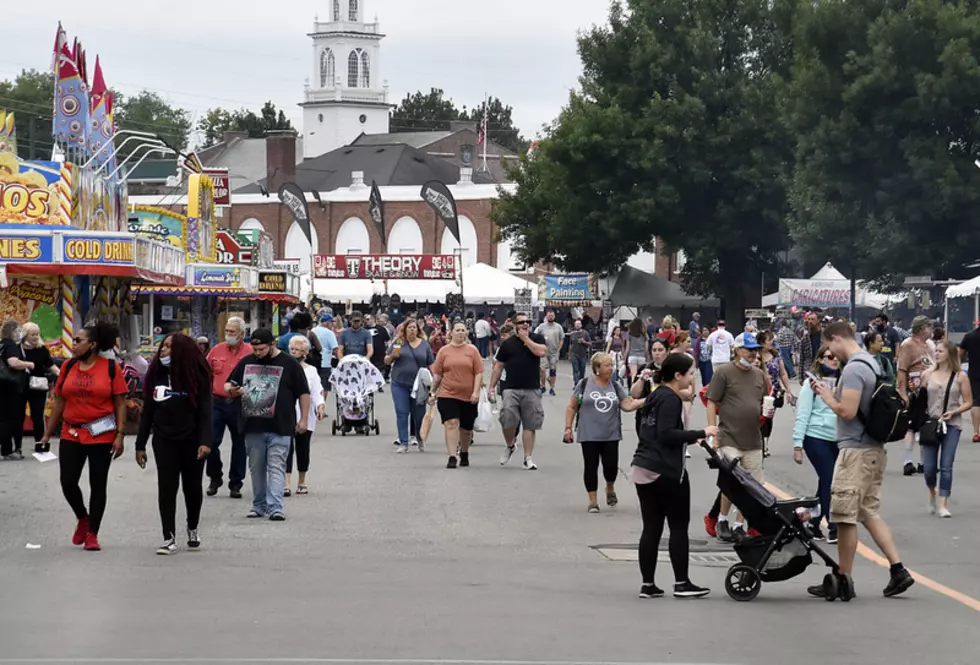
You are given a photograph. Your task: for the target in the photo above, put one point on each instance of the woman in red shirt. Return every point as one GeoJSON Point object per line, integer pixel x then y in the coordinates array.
{"type": "Point", "coordinates": [91, 397]}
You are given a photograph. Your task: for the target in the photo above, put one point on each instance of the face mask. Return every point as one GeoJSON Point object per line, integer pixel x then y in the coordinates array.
{"type": "Point", "coordinates": [165, 361]}
{"type": "Point", "coordinates": [87, 354]}
{"type": "Point", "coordinates": [19, 337]}
{"type": "Point", "coordinates": [232, 340]}
{"type": "Point", "coordinates": [828, 370]}
{"type": "Point", "coordinates": [744, 363]}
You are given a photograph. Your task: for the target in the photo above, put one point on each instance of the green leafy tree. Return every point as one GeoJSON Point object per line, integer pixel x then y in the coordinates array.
{"type": "Point", "coordinates": [149, 112]}
{"type": "Point", "coordinates": [217, 121]}
{"type": "Point", "coordinates": [500, 125]}
{"type": "Point", "coordinates": [675, 134]}
{"type": "Point", "coordinates": [30, 97]}
{"type": "Point", "coordinates": [884, 102]}
{"type": "Point", "coordinates": [424, 112]}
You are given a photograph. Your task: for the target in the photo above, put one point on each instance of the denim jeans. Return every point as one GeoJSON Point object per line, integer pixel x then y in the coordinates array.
{"type": "Point", "coordinates": [267, 462]}
{"type": "Point", "coordinates": [786, 353]}
{"type": "Point", "coordinates": [405, 406]}
{"type": "Point", "coordinates": [707, 371]}
{"type": "Point", "coordinates": [578, 368]}
{"type": "Point", "coordinates": [823, 456]}
{"type": "Point", "coordinates": [226, 414]}
{"type": "Point", "coordinates": [940, 458]}
{"type": "Point", "coordinates": [483, 345]}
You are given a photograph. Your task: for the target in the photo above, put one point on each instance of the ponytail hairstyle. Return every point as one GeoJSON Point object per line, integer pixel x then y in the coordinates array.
{"type": "Point", "coordinates": [103, 334]}
{"type": "Point", "coordinates": [676, 364]}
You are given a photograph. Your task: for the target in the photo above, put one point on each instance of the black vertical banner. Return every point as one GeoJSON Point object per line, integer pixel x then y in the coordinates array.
{"type": "Point", "coordinates": [376, 208]}
{"type": "Point", "coordinates": [440, 199]}
{"type": "Point", "coordinates": [293, 198]}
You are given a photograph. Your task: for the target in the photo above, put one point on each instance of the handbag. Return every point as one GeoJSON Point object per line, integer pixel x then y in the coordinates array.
{"type": "Point", "coordinates": [11, 380]}
{"type": "Point", "coordinates": [39, 383]}
{"type": "Point", "coordinates": [933, 429]}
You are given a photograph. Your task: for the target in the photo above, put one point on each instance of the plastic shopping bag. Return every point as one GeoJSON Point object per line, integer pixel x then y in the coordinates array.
{"type": "Point", "coordinates": [484, 414]}
{"type": "Point", "coordinates": [426, 425]}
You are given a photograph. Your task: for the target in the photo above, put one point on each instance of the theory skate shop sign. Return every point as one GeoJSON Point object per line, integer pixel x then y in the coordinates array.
{"type": "Point", "coordinates": [384, 266]}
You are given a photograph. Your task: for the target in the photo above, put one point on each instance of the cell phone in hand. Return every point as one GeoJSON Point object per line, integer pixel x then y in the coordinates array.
{"type": "Point", "coordinates": [813, 377]}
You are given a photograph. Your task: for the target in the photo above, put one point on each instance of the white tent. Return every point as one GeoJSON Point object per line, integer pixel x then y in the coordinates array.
{"type": "Point", "coordinates": [967, 289]}
{"type": "Point", "coordinates": [827, 288]}
{"type": "Point", "coordinates": [486, 284]}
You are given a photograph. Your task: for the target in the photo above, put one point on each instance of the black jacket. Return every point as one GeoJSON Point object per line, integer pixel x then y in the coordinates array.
{"type": "Point", "coordinates": [172, 418]}
{"type": "Point", "coordinates": [662, 435]}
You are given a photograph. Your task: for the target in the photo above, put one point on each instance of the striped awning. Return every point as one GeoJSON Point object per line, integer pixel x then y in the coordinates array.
{"type": "Point", "coordinates": [164, 290]}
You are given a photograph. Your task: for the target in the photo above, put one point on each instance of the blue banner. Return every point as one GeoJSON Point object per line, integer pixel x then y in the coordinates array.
{"type": "Point", "coordinates": [212, 276]}
{"type": "Point", "coordinates": [26, 248]}
{"type": "Point", "coordinates": [570, 288]}
{"type": "Point", "coordinates": [88, 249]}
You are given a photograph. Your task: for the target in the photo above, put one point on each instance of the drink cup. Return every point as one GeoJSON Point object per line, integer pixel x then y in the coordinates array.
{"type": "Point", "coordinates": [768, 406]}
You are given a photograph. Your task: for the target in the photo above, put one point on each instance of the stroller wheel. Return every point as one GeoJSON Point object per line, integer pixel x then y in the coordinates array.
{"type": "Point", "coordinates": [830, 587]}
{"type": "Point", "coordinates": [845, 587]}
{"type": "Point", "coordinates": [743, 582]}
{"type": "Point", "coordinates": [333, 427]}
{"type": "Point", "coordinates": [377, 427]}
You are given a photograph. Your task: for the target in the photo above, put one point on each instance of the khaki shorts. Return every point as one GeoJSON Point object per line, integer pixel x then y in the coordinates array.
{"type": "Point", "coordinates": [855, 492]}
{"type": "Point", "coordinates": [522, 407]}
{"type": "Point", "coordinates": [751, 460]}
{"type": "Point", "coordinates": [550, 362]}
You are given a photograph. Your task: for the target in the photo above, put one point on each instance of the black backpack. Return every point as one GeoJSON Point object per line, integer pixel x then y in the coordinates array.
{"type": "Point", "coordinates": [888, 416]}
{"type": "Point", "coordinates": [71, 362]}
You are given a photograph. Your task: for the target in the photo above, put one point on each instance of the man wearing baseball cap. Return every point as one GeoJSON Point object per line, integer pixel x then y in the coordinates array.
{"type": "Point", "coordinates": [734, 406]}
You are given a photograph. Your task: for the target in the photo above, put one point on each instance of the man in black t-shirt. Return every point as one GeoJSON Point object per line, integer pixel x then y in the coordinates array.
{"type": "Point", "coordinates": [520, 357]}
{"type": "Point", "coordinates": [379, 344]}
{"type": "Point", "coordinates": [970, 351]}
{"type": "Point", "coordinates": [268, 384]}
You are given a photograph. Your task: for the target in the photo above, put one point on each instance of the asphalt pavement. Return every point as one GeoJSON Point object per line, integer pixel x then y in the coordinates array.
{"type": "Point", "coordinates": [394, 559]}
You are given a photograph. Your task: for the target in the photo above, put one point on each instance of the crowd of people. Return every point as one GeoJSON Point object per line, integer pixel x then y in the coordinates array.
{"type": "Point", "coordinates": [270, 393]}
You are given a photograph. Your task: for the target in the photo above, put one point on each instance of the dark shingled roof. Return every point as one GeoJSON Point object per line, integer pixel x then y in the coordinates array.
{"type": "Point", "coordinates": [154, 169]}
{"type": "Point", "coordinates": [387, 165]}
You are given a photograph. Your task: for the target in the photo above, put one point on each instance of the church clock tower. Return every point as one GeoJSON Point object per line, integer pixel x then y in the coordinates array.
{"type": "Point", "coordinates": [346, 95]}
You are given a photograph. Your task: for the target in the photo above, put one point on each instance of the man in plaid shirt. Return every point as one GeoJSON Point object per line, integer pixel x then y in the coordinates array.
{"type": "Point", "coordinates": [809, 343]}
{"type": "Point", "coordinates": [787, 343]}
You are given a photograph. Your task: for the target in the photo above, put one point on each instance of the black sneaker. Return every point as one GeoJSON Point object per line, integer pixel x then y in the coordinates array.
{"type": "Point", "coordinates": [689, 590]}
{"type": "Point", "coordinates": [724, 531]}
{"type": "Point", "coordinates": [451, 464]}
{"type": "Point", "coordinates": [235, 494]}
{"type": "Point", "coordinates": [277, 517]}
{"type": "Point", "coordinates": [920, 468]}
{"type": "Point", "coordinates": [899, 583]}
{"type": "Point", "coordinates": [831, 536]}
{"type": "Point", "coordinates": [651, 591]}
{"type": "Point", "coordinates": [464, 459]}
{"type": "Point", "coordinates": [816, 532]}
{"type": "Point", "coordinates": [908, 469]}
{"type": "Point", "coordinates": [816, 591]}
{"type": "Point", "coordinates": [738, 534]}
{"type": "Point", "coordinates": [214, 487]}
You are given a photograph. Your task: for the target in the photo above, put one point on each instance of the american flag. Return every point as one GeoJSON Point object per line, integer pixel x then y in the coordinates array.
{"type": "Point", "coordinates": [483, 126]}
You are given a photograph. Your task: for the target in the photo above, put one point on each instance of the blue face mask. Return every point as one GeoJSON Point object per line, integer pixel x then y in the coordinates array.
{"type": "Point", "coordinates": [828, 370]}
{"type": "Point", "coordinates": [165, 361]}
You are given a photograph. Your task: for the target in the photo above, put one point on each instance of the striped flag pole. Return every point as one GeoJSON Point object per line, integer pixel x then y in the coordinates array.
{"type": "Point", "coordinates": [67, 314]}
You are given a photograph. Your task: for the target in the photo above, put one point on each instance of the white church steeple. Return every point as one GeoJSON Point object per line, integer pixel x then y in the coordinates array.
{"type": "Point", "coordinates": [346, 95]}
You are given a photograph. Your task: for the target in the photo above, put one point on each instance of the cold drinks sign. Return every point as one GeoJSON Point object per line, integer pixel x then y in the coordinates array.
{"type": "Point", "coordinates": [384, 266]}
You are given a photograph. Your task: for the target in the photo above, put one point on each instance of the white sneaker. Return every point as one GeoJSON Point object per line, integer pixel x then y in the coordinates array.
{"type": "Point", "coordinates": [169, 547]}
{"type": "Point", "coordinates": [193, 538]}
{"type": "Point", "coordinates": [507, 455]}
{"type": "Point", "coordinates": [932, 504]}
{"type": "Point", "coordinates": [529, 464]}
{"type": "Point", "coordinates": [421, 445]}
{"type": "Point", "coordinates": [412, 441]}
{"type": "Point", "coordinates": [944, 512]}
{"type": "Point", "coordinates": [401, 450]}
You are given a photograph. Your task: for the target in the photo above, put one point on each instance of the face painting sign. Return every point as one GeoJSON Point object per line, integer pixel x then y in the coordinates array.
{"type": "Point", "coordinates": [385, 266]}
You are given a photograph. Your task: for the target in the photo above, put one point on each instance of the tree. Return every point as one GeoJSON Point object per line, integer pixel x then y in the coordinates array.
{"type": "Point", "coordinates": [217, 121]}
{"type": "Point", "coordinates": [30, 97]}
{"type": "Point", "coordinates": [884, 102]}
{"type": "Point", "coordinates": [500, 125]}
{"type": "Point", "coordinates": [675, 135]}
{"type": "Point", "coordinates": [149, 112]}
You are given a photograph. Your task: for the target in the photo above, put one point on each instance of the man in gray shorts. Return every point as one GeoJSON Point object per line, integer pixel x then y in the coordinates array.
{"type": "Point", "coordinates": [520, 356]}
{"type": "Point", "coordinates": [553, 336]}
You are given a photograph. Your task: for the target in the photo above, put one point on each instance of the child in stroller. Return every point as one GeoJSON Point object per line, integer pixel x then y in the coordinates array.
{"type": "Point", "coordinates": [355, 380]}
{"type": "Point", "coordinates": [783, 548]}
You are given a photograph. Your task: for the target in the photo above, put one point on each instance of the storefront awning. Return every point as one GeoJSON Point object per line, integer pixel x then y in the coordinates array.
{"type": "Point", "coordinates": [168, 290]}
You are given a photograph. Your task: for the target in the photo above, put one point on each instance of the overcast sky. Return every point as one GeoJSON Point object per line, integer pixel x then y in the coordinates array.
{"type": "Point", "coordinates": [236, 53]}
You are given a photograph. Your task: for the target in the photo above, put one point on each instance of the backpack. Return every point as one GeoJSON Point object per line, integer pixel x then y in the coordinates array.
{"type": "Point", "coordinates": [888, 416]}
{"type": "Point", "coordinates": [73, 361]}
{"type": "Point", "coordinates": [315, 356]}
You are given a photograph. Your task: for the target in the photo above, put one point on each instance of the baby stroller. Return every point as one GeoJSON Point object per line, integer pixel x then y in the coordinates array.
{"type": "Point", "coordinates": [783, 548]}
{"type": "Point", "coordinates": [354, 381]}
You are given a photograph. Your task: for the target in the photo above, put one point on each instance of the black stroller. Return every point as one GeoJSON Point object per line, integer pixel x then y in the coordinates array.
{"type": "Point", "coordinates": [783, 548]}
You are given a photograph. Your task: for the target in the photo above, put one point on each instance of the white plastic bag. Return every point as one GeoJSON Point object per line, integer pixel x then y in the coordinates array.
{"type": "Point", "coordinates": [484, 414]}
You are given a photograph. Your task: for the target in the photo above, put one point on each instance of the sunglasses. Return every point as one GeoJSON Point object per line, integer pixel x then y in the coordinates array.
{"type": "Point", "coordinates": [828, 356]}
{"type": "Point", "coordinates": [78, 340]}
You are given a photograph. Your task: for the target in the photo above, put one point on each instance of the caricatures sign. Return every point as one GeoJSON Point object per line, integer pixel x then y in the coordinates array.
{"type": "Point", "coordinates": [385, 266]}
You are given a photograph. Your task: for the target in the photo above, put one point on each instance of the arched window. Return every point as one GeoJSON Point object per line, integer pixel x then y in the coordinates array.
{"type": "Point", "coordinates": [467, 234]}
{"type": "Point", "coordinates": [251, 224]}
{"type": "Point", "coordinates": [298, 247]}
{"type": "Point", "coordinates": [352, 15]}
{"type": "Point", "coordinates": [336, 10]}
{"type": "Point", "coordinates": [365, 70]}
{"type": "Point", "coordinates": [352, 238]}
{"type": "Point", "coordinates": [405, 237]}
{"type": "Point", "coordinates": [328, 68]}
{"type": "Point", "coordinates": [353, 61]}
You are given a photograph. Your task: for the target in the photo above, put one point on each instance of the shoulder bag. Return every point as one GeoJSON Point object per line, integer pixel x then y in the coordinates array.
{"type": "Point", "coordinates": [933, 429]}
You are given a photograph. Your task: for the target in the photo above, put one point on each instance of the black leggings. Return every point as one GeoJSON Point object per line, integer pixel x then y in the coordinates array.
{"type": "Point", "coordinates": [592, 453]}
{"type": "Point", "coordinates": [177, 463]}
{"type": "Point", "coordinates": [71, 458]}
{"type": "Point", "coordinates": [662, 500]}
{"type": "Point", "coordinates": [37, 400]}
{"type": "Point", "coordinates": [301, 444]}
{"type": "Point", "coordinates": [715, 507]}
{"type": "Point", "coordinates": [11, 421]}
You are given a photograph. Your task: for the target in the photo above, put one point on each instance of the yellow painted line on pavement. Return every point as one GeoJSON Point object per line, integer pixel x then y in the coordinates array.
{"type": "Point", "coordinates": [874, 557]}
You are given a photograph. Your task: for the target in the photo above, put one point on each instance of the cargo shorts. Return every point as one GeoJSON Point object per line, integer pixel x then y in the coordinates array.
{"type": "Point", "coordinates": [522, 407]}
{"type": "Point", "coordinates": [549, 362]}
{"type": "Point", "coordinates": [751, 460]}
{"type": "Point", "coordinates": [855, 492]}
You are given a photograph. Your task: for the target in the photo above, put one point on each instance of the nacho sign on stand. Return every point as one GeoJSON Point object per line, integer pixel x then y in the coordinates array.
{"type": "Point", "coordinates": [385, 266]}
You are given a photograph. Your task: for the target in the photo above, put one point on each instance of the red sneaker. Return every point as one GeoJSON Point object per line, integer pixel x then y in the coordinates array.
{"type": "Point", "coordinates": [753, 533]}
{"type": "Point", "coordinates": [711, 525]}
{"type": "Point", "coordinates": [81, 529]}
{"type": "Point", "coordinates": [976, 438]}
{"type": "Point", "coordinates": [92, 542]}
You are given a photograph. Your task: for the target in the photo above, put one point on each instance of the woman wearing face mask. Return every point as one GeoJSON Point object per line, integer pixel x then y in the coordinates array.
{"type": "Point", "coordinates": [299, 348]}
{"type": "Point", "coordinates": [90, 396]}
{"type": "Point", "coordinates": [875, 342]}
{"type": "Point", "coordinates": [13, 392]}
{"type": "Point", "coordinates": [457, 376]}
{"type": "Point", "coordinates": [816, 435]}
{"type": "Point", "coordinates": [44, 370]}
{"type": "Point", "coordinates": [659, 472]}
{"type": "Point", "coordinates": [177, 411]}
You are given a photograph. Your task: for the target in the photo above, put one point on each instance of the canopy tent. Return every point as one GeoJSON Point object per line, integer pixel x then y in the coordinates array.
{"type": "Point", "coordinates": [486, 284]}
{"type": "Point", "coordinates": [827, 288]}
{"type": "Point", "coordinates": [637, 288]}
{"type": "Point", "coordinates": [967, 289]}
